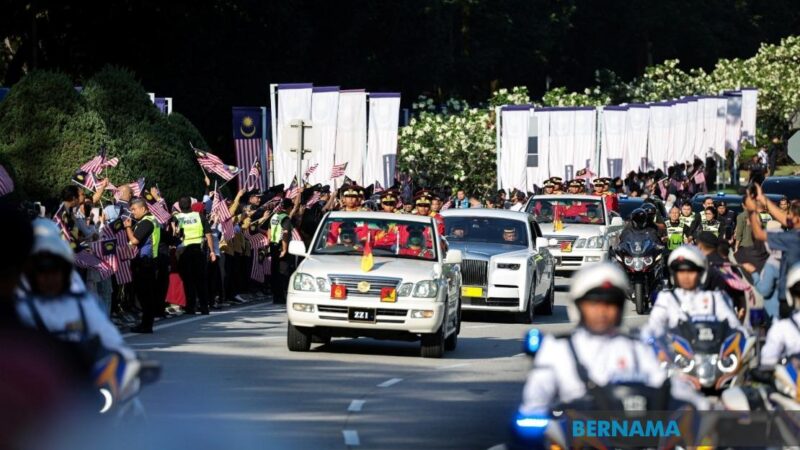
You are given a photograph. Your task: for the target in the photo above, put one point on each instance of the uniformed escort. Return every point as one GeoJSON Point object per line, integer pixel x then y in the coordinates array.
{"type": "Point", "coordinates": [711, 223]}
{"type": "Point", "coordinates": [558, 184]}
{"type": "Point", "coordinates": [548, 187]}
{"type": "Point", "coordinates": [675, 229]}
{"type": "Point", "coordinates": [146, 236]}
{"type": "Point", "coordinates": [280, 232]}
{"type": "Point", "coordinates": [389, 200]}
{"type": "Point", "coordinates": [192, 228]}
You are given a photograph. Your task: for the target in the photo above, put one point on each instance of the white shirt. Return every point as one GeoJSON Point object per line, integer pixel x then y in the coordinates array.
{"type": "Point", "coordinates": [517, 207]}
{"type": "Point", "coordinates": [783, 339]}
{"type": "Point", "coordinates": [669, 310]}
{"type": "Point", "coordinates": [607, 359]}
{"type": "Point", "coordinates": [762, 155]}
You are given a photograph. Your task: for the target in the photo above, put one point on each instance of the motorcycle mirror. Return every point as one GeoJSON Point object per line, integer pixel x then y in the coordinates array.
{"type": "Point", "coordinates": [149, 372]}
{"type": "Point", "coordinates": [533, 340]}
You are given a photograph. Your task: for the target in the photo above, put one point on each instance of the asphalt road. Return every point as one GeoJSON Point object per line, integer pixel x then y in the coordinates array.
{"type": "Point", "coordinates": [229, 382]}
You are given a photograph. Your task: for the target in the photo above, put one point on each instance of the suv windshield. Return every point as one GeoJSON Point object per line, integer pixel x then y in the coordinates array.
{"type": "Point", "coordinates": [395, 238]}
{"type": "Point", "coordinates": [487, 230]}
{"type": "Point", "coordinates": [568, 210]}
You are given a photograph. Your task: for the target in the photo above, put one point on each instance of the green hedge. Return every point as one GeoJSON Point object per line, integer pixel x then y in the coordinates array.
{"type": "Point", "coordinates": [47, 130]}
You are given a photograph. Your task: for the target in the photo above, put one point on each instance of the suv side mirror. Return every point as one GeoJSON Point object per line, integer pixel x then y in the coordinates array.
{"type": "Point", "coordinates": [297, 248]}
{"type": "Point", "coordinates": [617, 221]}
{"type": "Point", "coordinates": [541, 243]}
{"type": "Point", "coordinates": [453, 257]}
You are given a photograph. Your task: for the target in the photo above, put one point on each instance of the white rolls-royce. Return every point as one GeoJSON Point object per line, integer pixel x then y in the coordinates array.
{"type": "Point", "coordinates": [408, 288]}
{"type": "Point", "coordinates": [578, 228]}
{"type": "Point", "coordinates": [506, 263]}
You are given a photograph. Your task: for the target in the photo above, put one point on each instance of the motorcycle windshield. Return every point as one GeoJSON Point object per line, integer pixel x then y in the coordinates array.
{"type": "Point", "coordinates": [622, 396]}
{"type": "Point", "coordinates": [703, 336]}
{"type": "Point", "coordinates": [637, 245]}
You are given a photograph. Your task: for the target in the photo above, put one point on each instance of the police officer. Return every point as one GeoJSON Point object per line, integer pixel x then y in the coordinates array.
{"type": "Point", "coordinates": [548, 188]}
{"type": "Point", "coordinates": [280, 232]}
{"type": "Point", "coordinates": [783, 338]}
{"type": "Point", "coordinates": [352, 197]}
{"type": "Point", "coordinates": [675, 229]}
{"type": "Point", "coordinates": [575, 187]}
{"type": "Point", "coordinates": [423, 203]}
{"type": "Point", "coordinates": [688, 220]}
{"type": "Point", "coordinates": [193, 229]}
{"type": "Point", "coordinates": [687, 300]}
{"type": "Point", "coordinates": [146, 236]}
{"type": "Point", "coordinates": [595, 353]}
{"type": "Point", "coordinates": [389, 200]}
{"type": "Point", "coordinates": [558, 184]}
{"type": "Point", "coordinates": [710, 223]}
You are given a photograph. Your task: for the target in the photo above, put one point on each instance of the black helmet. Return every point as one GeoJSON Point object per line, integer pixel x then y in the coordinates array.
{"type": "Point", "coordinates": [639, 219]}
{"type": "Point", "coordinates": [651, 211]}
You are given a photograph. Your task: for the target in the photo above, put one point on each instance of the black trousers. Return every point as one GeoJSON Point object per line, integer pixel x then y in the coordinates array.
{"type": "Point", "coordinates": [192, 268]}
{"type": "Point", "coordinates": [279, 278]}
{"type": "Point", "coordinates": [214, 284]}
{"type": "Point", "coordinates": [162, 283]}
{"type": "Point", "coordinates": [144, 284]}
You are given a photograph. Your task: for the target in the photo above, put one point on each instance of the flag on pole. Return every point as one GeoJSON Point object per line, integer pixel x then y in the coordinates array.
{"type": "Point", "coordinates": [59, 220]}
{"type": "Point", "coordinates": [294, 189]}
{"type": "Point", "coordinates": [378, 188]}
{"type": "Point", "coordinates": [314, 199]}
{"type": "Point", "coordinates": [136, 187]}
{"type": "Point", "coordinates": [99, 162]}
{"type": "Point", "coordinates": [311, 169]}
{"type": "Point", "coordinates": [366, 258]}
{"type": "Point", "coordinates": [260, 264]}
{"type": "Point", "coordinates": [213, 164]}
{"type": "Point", "coordinates": [700, 177]}
{"type": "Point", "coordinates": [220, 209]}
{"type": "Point", "coordinates": [247, 135]}
{"type": "Point", "coordinates": [584, 174]}
{"type": "Point", "coordinates": [6, 183]}
{"type": "Point", "coordinates": [338, 170]}
{"type": "Point", "coordinates": [255, 237]}
{"type": "Point", "coordinates": [448, 204]}
{"type": "Point", "coordinates": [87, 260]}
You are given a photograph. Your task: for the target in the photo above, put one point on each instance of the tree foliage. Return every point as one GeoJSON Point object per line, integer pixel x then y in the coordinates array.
{"type": "Point", "coordinates": [48, 130]}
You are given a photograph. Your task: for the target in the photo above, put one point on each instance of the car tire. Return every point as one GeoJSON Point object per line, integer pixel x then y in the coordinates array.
{"type": "Point", "coordinates": [432, 344]}
{"type": "Point", "coordinates": [528, 316]}
{"type": "Point", "coordinates": [451, 342]}
{"type": "Point", "coordinates": [547, 306]}
{"type": "Point", "coordinates": [298, 339]}
{"type": "Point", "coordinates": [324, 339]}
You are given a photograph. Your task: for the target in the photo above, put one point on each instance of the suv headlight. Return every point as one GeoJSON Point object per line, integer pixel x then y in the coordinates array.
{"type": "Point", "coordinates": [580, 243]}
{"type": "Point", "coordinates": [303, 282]}
{"type": "Point", "coordinates": [595, 242]}
{"type": "Point", "coordinates": [405, 290]}
{"type": "Point", "coordinates": [508, 266]}
{"type": "Point", "coordinates": [426, 289]}
{"type": "Point", "coordinates": [323, 285]}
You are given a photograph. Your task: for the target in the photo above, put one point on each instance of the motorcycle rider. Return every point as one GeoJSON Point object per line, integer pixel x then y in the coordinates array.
{"type": "Point", "coordinates": [638, 228]}
{"type": "Point", "coordinates": [687, 301]}
{"type": "Point", "coordinates": [54, 299]}
{"type": "Point", "coordinates": [595, 353]}
{"type": "Point", "coordinates": [783, 338]}
{"type": "Point", "coordinates": [654, 221]}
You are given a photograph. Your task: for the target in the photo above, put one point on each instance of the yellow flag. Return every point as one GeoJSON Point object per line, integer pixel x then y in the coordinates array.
{"type": "Point", "coordinates": [366, 258]}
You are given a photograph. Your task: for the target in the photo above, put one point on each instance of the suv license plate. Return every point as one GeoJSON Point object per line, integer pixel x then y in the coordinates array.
{"type": "Point", "coordinates": [361, 315]}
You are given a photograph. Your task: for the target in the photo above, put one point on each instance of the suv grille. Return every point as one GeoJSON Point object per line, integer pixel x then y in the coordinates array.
{"type": "Point", "coordinates": [473, 272]}
{"type": "Point", "coordinates": [375, 284]}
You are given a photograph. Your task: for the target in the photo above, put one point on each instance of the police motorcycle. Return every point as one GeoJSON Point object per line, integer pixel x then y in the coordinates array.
{"type": "Point", "coordinates": [642, 260]}
{"type": "Point", "coordinates": [118, 381]}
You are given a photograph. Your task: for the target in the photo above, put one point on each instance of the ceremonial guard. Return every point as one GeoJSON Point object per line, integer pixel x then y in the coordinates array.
{"type": "Point", "coordinates": [558, 185]}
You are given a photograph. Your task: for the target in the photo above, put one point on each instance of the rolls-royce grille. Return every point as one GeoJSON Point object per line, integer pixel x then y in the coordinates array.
{"type": "Point", "coordinates": [375, 284]}
{"type": "Point", "coordinates": [473, 272]}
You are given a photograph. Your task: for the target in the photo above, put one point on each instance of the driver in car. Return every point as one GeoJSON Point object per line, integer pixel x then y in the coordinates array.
{"type": "Point", "coordinates": [457, 232]}
{"type": "Point", "coordinates": [415, 244]}
{"type": "Point", "coordinates": [348, 238]}
{"type": "Point", "coordinates": [592, 215]}
{"type": "Point", "coordinates": [596, 354]}
{"type": "Point", "coordinates": [510, 235]}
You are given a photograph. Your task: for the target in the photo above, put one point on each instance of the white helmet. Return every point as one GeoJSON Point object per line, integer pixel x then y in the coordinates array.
{"type": "Point", "coordinates": [603, 281]}
{"type": "Point", "coordinates": [792, 280]}
{"type": "Point", "coordinates": [47, 239]}
{"type": "Point", "coordinates": [687, 257]}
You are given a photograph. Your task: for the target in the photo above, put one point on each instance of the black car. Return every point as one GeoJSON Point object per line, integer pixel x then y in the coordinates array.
{"type": "Point", "coordinates": [788, 186]}
{"type": "Point", "coordinates": [628, 204]}
{"type": "Point", "coordinates": [733, 201]}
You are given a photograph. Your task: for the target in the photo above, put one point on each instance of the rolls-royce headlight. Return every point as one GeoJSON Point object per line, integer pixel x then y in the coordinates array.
{"type": "Point", "coordinates": [595, 242]}
{"type": "Point", "coordinates": [323, 285]}
{"type": "Point", "coordinates": [304, 282]}
{"type": "Point", "coordinates": [405, 289]}
{"type": "Point", "coordinates": [426, 289]}
{"type": "Point", "coordinates": [508, 266]}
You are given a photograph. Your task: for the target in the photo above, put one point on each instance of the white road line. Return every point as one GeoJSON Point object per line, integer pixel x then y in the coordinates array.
{"type": "Point", "coordinates": [391, 382]}
{"type": "Point", "coordinates": [171, 324]}
{"type": "Point", "coordinates": [356, 405]}
{"type": "Point", "coordinates": [498, 447]}
{"type": "Point", "coordinates": [351, 438]}
{"type": "Point", "coordinates": [475, 327]}
{"type": "Point", "coordinates": [142, 344]}
{"type": "Point", "coordinates": [453, 366]}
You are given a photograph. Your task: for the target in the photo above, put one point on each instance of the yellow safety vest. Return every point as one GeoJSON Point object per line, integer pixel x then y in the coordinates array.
{"type": "Point", "coordinates": [276, 227]}
{"type": "Point", "coordinates": [155, 237]}
{"type": "Point", "coordinates": [192, 226]}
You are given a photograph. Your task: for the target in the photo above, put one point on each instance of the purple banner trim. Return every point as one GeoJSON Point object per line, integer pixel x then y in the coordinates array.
{"type": "Point", "coordinates": [638, 105]}
{"type": "Point", "coordinates": [731, 94]}
{"type": "Point", "coordinates": [547, 108]}
{"type": "Point", "coordinates": [325, 89]}
{"type": "Point", "coordinates": [516, 108]}
{"type": "Point", "coordinates": [352, 90]}
{"type": "Point", "coordinates": [384, 95]}
{"type": "Point", "coordinates": [615, 108]}
{"type": "Point", "coordinates": [295, 86]}
{"type": "Point", "coordinates": [749, 89]}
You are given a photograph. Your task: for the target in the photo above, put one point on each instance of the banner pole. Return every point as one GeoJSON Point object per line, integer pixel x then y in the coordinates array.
{"type": "Point", "coordinates": [273, 92]}
{"type": "Point", "coordinates": [497, 124]}
{"type": "Point", "coordinates": [263, 153]}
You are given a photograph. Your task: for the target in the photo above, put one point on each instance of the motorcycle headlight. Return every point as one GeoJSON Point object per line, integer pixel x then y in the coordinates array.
{"type": "Point", "coordinates": [628, 260]}
{"type": "Point", "coordinates": [323, 285]}
{"type": "Point", "coordinates": [508, 266]}
{"type": "Point", "coordinates": [638, 264]}
{"type": "Point", "coordinates": [304, 282]}
{"type": "Point", "coordinates": [728, 364]}
{"type": "Point", "coordinates": [683, 363]}
{"type": "Point", "coordinates": [595, 242]}
{"type": "Point", "coordinates": [426, 289]}
{"type": "Point", "coordinates": [648, 260]}
{"type": "Point", "coordinates": [405, 289]}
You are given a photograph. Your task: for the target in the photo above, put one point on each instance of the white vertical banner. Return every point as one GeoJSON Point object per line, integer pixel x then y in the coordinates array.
{"type": "Point", "coordinates": [513, 156]}
{"type": "Point", "coordinates": [679, 152]}
{"type": "Point", "coordinates": [294, 102]}
{"type": "Point", "coordinates": [322, 135]}
{"type": "Point", "coordinates": [537, 175]}
{"type": "Point", "coordinates": [707, 111]}
{"type": "Point", "coordinates": [562, 140]}
{"type": "Point", "coordinates": [614, 122]}
{"type": "Point", "coordinates": [636, 130]}
{"type": "Point", "coordinates": [584, 153]}
{"type": "Point", "coordinates": [749, 107]}
{"type": "Point", "coordinates": [690, 148]}
{"type": "Point", "coordinates": [721, 120]}
{"type": "Point", "coordinates": [384, 117]}
{"type": "Point", "coordinates": [733, 120]}
{"type": "Point", "coordinates": [351, 133]}
{"type": "Point", "coordinates": [659, 139]}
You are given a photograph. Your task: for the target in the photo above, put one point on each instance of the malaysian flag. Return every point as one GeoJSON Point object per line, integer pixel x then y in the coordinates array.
{"type": "Point", "coordinates": [311, 169]}
{"type": "Point", "coordinates": [260, 264]}
{"type": "Point", "coordinates": [220, 209]}
{"type": "Point", "coordinates": [584, 174]}
{"type": "Point", "coordinates": [116, 231]}
{"type": "Point", "coordinates": [213, 164]}
{"type": "Point", "coordinates": [58, 219]}
{"type": "Point", "coordinates": [699, 177]}
{"type": "Point", "coordinates": [247, 136]}
{"type": "Point", "coordinates": [87, 260]}
{"type": "Point", "coordinates": [137, 187]}
{"type": "Point", "coordinates": [84, 179]}
{"type": "Point", "coordinates": [6, 183]}
{"type": "Point", "coordinates": [314, 199]}
{"type": "Point", "coordinates": [99, 162]}
{"type": "Point", "coordinates": [158, 208]}
{"type": "Point", "coordinates": [255, 237]}
{"type": "Point", "coordinates": [378, 188]}
{"type": "Point", "coordinates": [338, 170]}
{"type": "Point", "coordinates": [294, 189]}
{"type": "Point", "coordinates": [448, 204]}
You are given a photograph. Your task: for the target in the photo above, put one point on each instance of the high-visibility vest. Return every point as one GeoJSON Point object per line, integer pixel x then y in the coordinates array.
{"type": "Point", "coordinates": [674, 235]}
{"type": "Point", "coordinates": [712, 227]}
{"type": "Point", "coordinates": [150, 247]}
{"type": "Point", "coordinates": [687, 221]}
{"type": "Point", "coordinates": [276, 227]}
{"type": "Point", "coordinates": [192, 226]}
{"type": "Point", "coordinates": [765, 217]}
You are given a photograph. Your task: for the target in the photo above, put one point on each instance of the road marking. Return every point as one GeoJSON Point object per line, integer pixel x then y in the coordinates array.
{"type": "Point", "coordinates": [171, 324]}
{"type": "Point", "coordinates": [391, 382]}
{"type": "Point", "coordinates": [518, 355]}
{"type": "Point", "coordinates": [498, 447]}
{"type": "Point", "coordinates": [356, 405]}
{"type": "Point", "coordinates": [453, 366]}
{"type": "Point", "coordinates": [351, 438]}
{"type": "Point", "coordinates": [475, 327]}
{"type": "Point", "coordinates": [142, 344]}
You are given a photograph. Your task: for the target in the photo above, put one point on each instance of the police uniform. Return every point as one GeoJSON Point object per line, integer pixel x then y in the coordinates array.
{"type": "Point", "coordinates": [353, 191]}
{"type": "Point", "coordinates": [558, 185]}
{"type": "Point", "coordinates": [144, 268]}
{"type": "Point", "coordinates": [675, 306]}
{"type": "Point", "coordinates": [388, 198]}
{"type": "Point", "coordinates": [192, 260]}
{"type": "Point", "coordinates": [783, 339]}
{"type": "Point", "coordinates": [280, 232]}
{"type": "Point", "coordinates": [423, 198]}
{"type": "Point", "coordinates": [675, 232]}
{"type": "Point", "coordinates": [712, 226]}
